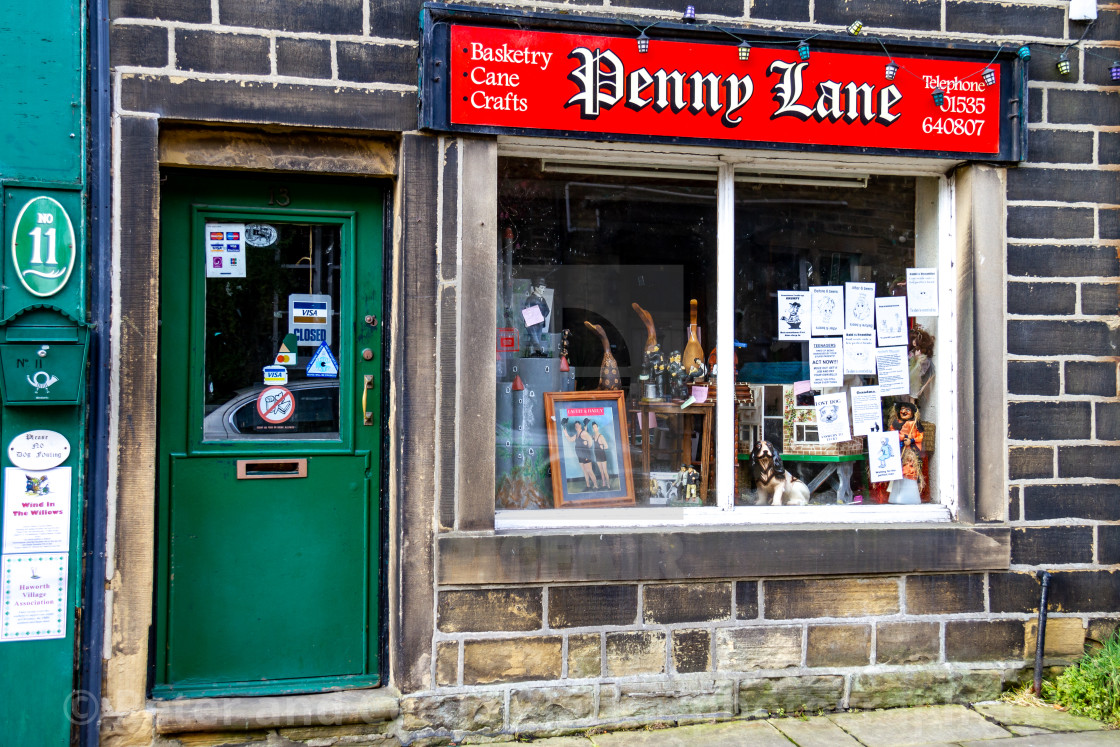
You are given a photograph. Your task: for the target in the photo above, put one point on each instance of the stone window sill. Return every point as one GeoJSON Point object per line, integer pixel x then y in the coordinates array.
{"type": "Point", "coordinates": [568, 556]}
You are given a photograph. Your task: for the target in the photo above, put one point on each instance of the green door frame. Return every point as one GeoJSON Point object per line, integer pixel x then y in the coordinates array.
{"type": "Point", "coordinates": [188, 200]}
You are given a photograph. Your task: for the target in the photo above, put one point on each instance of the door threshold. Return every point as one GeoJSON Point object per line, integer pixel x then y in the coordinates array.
{"type": "Point", "coordinates": [362, 706]}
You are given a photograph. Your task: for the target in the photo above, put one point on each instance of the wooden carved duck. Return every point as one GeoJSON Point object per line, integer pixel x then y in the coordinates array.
{"type": "Point", "coordinates": [651, 331]}
{"type": "Point", "coordinates": [608, 370]}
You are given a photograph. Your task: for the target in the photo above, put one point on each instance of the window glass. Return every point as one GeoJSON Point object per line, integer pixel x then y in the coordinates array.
{"type": "Point", "coordinates": [267, 374]}
{"type": "Point", "coordinates": [598, 277]}
{"type": "Point", "coordinates": [607, 368]}
{"type": "Point", "coordinates": [854, 242]}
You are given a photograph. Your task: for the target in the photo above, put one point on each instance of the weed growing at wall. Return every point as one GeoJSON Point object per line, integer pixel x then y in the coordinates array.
{"type": "Point", "coordinates": [1091, 687]}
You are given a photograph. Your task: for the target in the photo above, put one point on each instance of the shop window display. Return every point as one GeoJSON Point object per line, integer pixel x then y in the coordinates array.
{"type": "Point", "coordinates": [607, 363]}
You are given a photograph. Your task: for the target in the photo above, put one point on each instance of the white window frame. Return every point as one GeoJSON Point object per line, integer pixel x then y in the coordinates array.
{"type": "Point", "coordinates": [934, 224]}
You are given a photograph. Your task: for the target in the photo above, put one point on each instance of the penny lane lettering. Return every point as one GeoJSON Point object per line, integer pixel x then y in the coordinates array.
{"type": "Point", "coordinates": [603, 82]}
{"type": "Point", "coordinates": [572, 83]}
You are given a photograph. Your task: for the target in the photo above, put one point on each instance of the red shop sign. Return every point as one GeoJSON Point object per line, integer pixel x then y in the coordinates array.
{"type": "Point", "coordinates": [549, 82]}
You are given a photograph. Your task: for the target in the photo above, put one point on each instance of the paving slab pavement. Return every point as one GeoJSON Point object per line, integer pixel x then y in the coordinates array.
{"type": "Point", "coordinates": [1015, 717]}
{"type": "Point", "coordinates": [991, 724]}
{"type": "Point", "coordinates": [916, 726]}
{"type": "Point", "coordinates": [818, 731]}
{"type": "Point", "coordinates": [1069, 739]}
{"type": "Point", "coordinates": [722, 734]}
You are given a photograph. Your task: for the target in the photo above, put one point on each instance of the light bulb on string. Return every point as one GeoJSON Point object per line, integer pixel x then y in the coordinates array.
{"type": "Point", "coordinates": [744, 51]}
{"type": "Point", "coordinates": [1024, 52]}
{"type": "Point", "coordinates": [643, 43]}
{"type": "Point", "coordinates": [690, 14]}
{"type": "Point", "coordinates": [1114, 70]}
{"type": "Point", "coordinates": [855, 27]}
{"type": "Point", "coordinates": [891, 71]}
{"type": "Point", "coordinates": [938, 96]}
{"type": "Point", "coordinates": [1063, 64]}
{"type": "Point", "coordinates": [803, 50]}
{"type": "Point", "coordinates": [989, 76]}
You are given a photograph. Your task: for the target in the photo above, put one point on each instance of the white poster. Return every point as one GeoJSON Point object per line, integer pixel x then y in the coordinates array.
{"type": "Point", "coordinates": [828, 310]}
{"type": "Point", "coordinates": [921, 291]}
{"type": "Point", "coordinates": [225, 250]}
{"type": "Point", "coordinates": [894, 376]}
{"type": "Point", "coordinates": [309, 318]}
{"type": "Point", "coordinates": [36, 510]}
{"type": "Point", "coordinates": [793, 315]}
{"type": "Point", "coordinates": [33, 605]}
{"type": "Point", "coordinates": [826, 362]}
{"type": "Point", "coordinates": [859, 352]}
{"type": "Point", "coordinates": [884, 460]}
{"type": "Point", "coordinates": [859, 306]}
{"type": "Point", "coordinates": [867, 410]}
{"type": "Point", "coordinates": [832, 418]}
{"type": "Point", "coordinates": [890, 321]}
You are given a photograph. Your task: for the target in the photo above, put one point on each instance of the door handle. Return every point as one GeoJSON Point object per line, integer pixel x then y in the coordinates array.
{"type": "Point", "coordinates": [367, 415]}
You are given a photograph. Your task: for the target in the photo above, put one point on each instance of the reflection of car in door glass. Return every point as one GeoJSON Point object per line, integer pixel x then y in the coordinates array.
{"type": "Point", "coordinates": [315, 415]}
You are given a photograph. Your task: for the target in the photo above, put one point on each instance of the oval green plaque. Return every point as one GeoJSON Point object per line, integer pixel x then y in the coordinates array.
{"type": "Point", "coordinates": [43, 249]}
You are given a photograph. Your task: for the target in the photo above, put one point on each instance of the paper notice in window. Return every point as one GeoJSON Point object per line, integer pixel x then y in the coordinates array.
{"type": "Point", "coordinates": [826, 362]}
{"type": "Point", "coordinates": [225, 250]}
{"type": "Point", "coordinates": [890, 321]}
{"type": "Point", "coordinates": [921, 291]}
{"type": "Point", "coordinates": [884, 461]}
{"type": "Point", "coordinates": [894, 376]}
{"type": "Point", "coordinates": [867, 410]}
{"type": "Point", "coordinates": [859, 306]}
{"type": "Point", "coordinates": [859, 352]}
{"type": "Point", "coordinates": [793, 315]}
{"type": "Point", "coordinates": [832, 418]}
{"type": "Point", "coordinates": [532, 316]}
{"type": "Point", "coordinates": [828, 310]}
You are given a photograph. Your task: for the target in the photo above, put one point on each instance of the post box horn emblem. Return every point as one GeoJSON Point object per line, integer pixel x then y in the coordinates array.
{"type": "Point", "coordinates": [42, 380]}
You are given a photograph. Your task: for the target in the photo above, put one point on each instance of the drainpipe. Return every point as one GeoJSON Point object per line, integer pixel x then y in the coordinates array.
{"type": "Point", "coordinates": [87, 701]}
{"type": "Point", "coordinates": [1040, 643]}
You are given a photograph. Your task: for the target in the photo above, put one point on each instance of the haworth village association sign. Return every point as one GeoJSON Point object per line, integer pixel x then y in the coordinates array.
{"type": "Point", "coordinates": [542, 82]}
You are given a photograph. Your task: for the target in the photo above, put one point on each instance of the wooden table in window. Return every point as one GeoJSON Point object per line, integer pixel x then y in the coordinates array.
{"type": "Point", "coordinates": [705, 411]}
{"type": "Point", "coordinates": [841, 466]}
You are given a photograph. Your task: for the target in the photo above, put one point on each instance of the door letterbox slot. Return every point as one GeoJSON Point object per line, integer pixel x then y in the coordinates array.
{"type": "Point", "coordinates": [271, 469]}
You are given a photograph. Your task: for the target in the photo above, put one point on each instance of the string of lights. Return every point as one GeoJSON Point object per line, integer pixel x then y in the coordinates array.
{"type": "Point", "coordinates": [856, 28]}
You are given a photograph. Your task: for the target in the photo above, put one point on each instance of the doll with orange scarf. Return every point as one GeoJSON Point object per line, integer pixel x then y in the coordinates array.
{"type": "Point", "coordinates": [906, 419]}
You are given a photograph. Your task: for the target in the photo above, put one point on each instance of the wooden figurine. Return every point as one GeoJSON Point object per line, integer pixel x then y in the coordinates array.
{"type": "Point", "coordinates": [565, 336]}
{"type": "Point", "coordinates": [905, 418]}
{"type": "Point", "coordinates": [653, 364]}
{"type": "Point", "coordinates": [609, 378]}
{"type": "Point", "coordinates": [538, 330]}
{"type": "Point", "coordinates": [692, 348]}
{"type": "Point", "coordinates": [651, 333]}
{"type": "Point", "coordinates": [676, 375]}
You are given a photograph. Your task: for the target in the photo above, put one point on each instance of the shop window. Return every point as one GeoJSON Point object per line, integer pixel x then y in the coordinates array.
{"type": "Point", "coordinates": [666, 333]}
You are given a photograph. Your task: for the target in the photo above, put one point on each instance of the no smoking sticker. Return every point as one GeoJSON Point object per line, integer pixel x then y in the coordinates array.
{"type": "Point", "coordinates": [275, 404]}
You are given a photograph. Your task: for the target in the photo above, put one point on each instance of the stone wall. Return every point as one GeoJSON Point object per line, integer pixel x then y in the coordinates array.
{"type": "Point", "coordinates": [567, 656]}
{"type": "Point", "coordinates": [558, 656]}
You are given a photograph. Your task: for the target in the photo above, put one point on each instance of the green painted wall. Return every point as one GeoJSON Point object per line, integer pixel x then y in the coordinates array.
{"type": "Point", "coordinates": [42, 152]}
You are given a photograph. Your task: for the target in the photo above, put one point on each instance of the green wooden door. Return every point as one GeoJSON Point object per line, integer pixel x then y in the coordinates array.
{"type": "Point", "coordinates": [270, 428]}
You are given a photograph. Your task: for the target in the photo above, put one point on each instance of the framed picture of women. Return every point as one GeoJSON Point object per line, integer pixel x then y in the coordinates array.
{"type": "Point", "coordinates": [588, 449]}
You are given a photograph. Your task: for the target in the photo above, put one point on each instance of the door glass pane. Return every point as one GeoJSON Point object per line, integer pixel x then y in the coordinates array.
{"type": "Point", "coordinates": [280, 310]}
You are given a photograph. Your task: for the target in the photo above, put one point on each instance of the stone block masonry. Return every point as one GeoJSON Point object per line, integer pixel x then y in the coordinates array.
{"type": "Point", "coordinates": [634, 653]}
{"type": "Point", "coordinates": [548, 657]}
